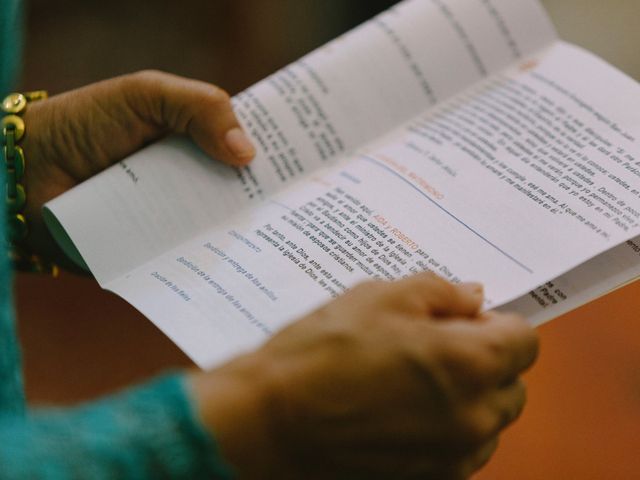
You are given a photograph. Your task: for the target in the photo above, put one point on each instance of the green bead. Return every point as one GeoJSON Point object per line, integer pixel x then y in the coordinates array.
{"type": "Point", "coordinates": [16, 203]}
{"type": "Point", "coordinates": [16, 163]}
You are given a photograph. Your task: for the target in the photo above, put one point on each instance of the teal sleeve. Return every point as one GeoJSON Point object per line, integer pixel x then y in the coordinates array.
{"type": "Point", "coordinates": [147, 433]}
{"type": "Point", "coordinates": [10, 43]}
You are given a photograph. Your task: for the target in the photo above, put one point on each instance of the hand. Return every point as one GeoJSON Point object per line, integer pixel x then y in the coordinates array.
{"type": "Point", "coordinates": [73, 136]}
{"type": "Point", "coordinates": [391, 381]}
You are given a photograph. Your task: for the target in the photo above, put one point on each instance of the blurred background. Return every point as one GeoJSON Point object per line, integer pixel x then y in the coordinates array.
{"type": "Point", "coordinates": [583, 417]}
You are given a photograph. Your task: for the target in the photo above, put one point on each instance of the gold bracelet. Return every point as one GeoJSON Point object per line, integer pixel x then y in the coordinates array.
{"type": "Point", "coordinates": [13, 130]}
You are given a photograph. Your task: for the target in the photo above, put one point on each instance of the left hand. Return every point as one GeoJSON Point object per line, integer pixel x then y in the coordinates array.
{"type": "Point", "coordinates": [75, 135]}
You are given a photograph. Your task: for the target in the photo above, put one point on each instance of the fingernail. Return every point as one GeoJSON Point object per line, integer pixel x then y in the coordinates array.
{"type": "Point", "coordinates": [239, 144]}
{"type": "Point", "coordinates": [473, 288]}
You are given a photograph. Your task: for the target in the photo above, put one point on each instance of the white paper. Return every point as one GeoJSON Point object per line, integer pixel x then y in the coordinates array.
{"type": "Point", "coordinates": [511, 172]}
{"type": "Point", "coordinates": [355, 89]}
{"type": "Point", "coordinates": [593, 279]}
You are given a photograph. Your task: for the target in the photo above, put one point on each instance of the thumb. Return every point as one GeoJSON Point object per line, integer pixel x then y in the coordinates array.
{"type": "Point", "coordinates": [198, 109]}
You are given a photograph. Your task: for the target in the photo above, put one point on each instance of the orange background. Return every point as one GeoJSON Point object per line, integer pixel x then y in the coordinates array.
{"type": "Point", "coordinates": [582, 420]}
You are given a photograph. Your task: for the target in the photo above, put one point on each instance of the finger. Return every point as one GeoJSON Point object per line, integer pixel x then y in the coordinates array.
{"type": "Point", "coordinates": [201, 110]}
{"type": "Point", "coordinates": [511, 341]}
{"type": "Point", "coordinates": [508, 403]}
{"type": "Point", "coordinates": [480, 458]}
{"type": "Point", "coordinates": [490, 352]}
{"type": "Point", "coordinates": [428, 294]}
{"type": "Point", "coordinates": [492, 412]}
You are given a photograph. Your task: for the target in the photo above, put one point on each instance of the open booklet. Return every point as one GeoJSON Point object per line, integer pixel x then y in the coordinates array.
{"type": "Point", "coordinates": [460, 137]}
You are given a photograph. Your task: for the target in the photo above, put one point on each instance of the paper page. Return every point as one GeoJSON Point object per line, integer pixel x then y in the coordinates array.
{"type": "Point", "coordinates": [593, 279]}
{"type": "Point", "coordinates": [523, 177]}
{"type": "Point", "coordinates": [473, 190]}
{"type": "Point", "coordinates": [305, 117]}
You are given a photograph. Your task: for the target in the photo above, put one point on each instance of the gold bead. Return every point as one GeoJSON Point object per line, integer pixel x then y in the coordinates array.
{"type": "Point", "coordinates": [36, 95]}
{"type": "Point", "coordinates": [13, 122]}
{"type": "Point", "coordinates": [14, 103]}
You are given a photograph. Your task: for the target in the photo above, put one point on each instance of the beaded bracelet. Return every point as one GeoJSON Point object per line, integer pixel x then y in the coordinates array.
{"type": "Point", "coordinates": [13, 130]}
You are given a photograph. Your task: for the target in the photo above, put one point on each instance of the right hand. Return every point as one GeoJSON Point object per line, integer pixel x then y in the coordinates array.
{"type": "Point", "coordinates": [395, 381]}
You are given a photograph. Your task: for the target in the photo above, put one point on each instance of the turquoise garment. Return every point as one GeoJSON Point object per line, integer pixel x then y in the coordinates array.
{"type": "Point", "coordinates": [147, 433]}
{"type": "Point", "coordinates": [11, 393]}
{"type": "Point", "coordinates": [10, 42]}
